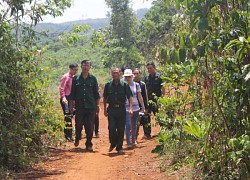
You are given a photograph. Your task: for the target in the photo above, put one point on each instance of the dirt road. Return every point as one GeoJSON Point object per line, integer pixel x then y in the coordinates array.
{"type": "Point", "coordinates": [73, 163]}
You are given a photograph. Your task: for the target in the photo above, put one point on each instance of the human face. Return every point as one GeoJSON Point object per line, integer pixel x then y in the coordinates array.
{"type": "Point", "coordinates": [137, 75]}
{"type": "Point", "coordinates": [115, 74]}
{"type": "Point", "coordinates": [128, 79]}
{"type": "Point", "coordinates": [73, 70]}
{"type": "Point", "coordinates": [151, 69]}
{"type": "Point", "coordinates": [86, 67]}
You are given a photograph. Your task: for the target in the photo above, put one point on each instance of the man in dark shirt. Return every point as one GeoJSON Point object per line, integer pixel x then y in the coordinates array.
{"type": "Point", "coordinates": [84, 92]}
{"type": "Point", "coordinates": [143, 121]}
{"type": "Point", "coordinates": [155, 89]}
{"type": "Point", "coordinates": [115, 94]}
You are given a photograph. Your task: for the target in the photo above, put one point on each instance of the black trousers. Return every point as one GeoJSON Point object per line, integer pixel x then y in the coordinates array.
{"type": "Point", "coordinates": [147, 127]}
{"type": "Point", "coordinates": [67, 121]}
{"type": "Point", "coordinates": [116, 126]}
{"type": "Point", "coordinates": [85, 117]}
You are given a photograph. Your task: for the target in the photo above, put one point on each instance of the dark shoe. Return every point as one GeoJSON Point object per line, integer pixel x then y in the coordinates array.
{"type": "Point", "coordinates": [146, 137]}
{"type": "Point", "coordinates": [89, 148]}
{"type": "Point", "coordinates": [70, 139]}
{"type": "Point", "coordinates": [129, 146]}
{"type": "Point", "coordinates": [111, 149]}
{"type": "Point", "coordinates": [121, 151]}
{"type": "Point", "coordinates": [76, 142]}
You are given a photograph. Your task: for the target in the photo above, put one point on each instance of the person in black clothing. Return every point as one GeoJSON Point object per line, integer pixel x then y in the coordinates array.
{"type": "Point", "coordinates": [115, 94]}
{"type": "Point", "coordinates": [144, 119]}
{"type": "Point", "coordinates": [85, 93]}
{"type": "Point", "coordinates": [155, 89]}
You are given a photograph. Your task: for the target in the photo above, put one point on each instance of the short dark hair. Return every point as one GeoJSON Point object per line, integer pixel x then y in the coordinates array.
{"type": "Point", "coordinates": [151, 63]}
{"type": "Point", "coordinates": [124, 67]}
{"type": "Point", "coordinates": [73, 65]}
{"type": "Point", "coordinates": [138, 70]}
{"type": "Point", "coordinates": [86, 61]}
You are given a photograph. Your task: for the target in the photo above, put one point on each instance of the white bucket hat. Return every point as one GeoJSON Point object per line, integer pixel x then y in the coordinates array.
{"type": "Point", "coordinates": [128, 72]}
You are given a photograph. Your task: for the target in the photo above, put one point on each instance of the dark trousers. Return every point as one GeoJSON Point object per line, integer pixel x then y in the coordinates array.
{"type": "Point", "coordinates": [116, 126]}
{"type": "Point", "coordinates": [85, 117]}
{"type": "Point", "coordinates": [67, 120]}
{"type": "Point", "coordinates": [147, 127]}
{"type": "Point", "coordinates": [96, 124]}
{"type": "Point", "coordinates": [143, 121]}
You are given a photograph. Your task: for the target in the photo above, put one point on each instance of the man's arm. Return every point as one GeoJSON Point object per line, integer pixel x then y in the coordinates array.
{"type": "Point", "coordinates": [62, 88]}
{"type": "Point", "coordinates": [97, 105]}
{"type": "Point", "coordinates": [105, 106]}
{"type": "Point", "coordinates": [105, 98]}
{"type": "Point", "coordinates": [72, 96]}
{"type": "Point", "coordinates": [130, 106]}
{"type": "Point", "coordinates": [97, 97]}
{"type": "Point", "coordinates": [144, 94]}
{"type": "Point", "coordinates": [140, 98]}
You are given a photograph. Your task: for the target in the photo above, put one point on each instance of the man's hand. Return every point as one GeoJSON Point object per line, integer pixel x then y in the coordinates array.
{"type": "Point", "coordinates": [131, 112]}
{"type": "Point", "coordinates": [71, 111]}
{"type": "Point", "coordinates": [64, 100]}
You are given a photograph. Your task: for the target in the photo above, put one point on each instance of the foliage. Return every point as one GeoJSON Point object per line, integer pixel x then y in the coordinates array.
{"type": "Point", "coordinates": [206, 73]}
{"type": "Point", "coordinates": [155, 29]}
{"type": "Point", "coordinates": [28, 122]}
{"type": "Point", "coordinates": [120, 36]}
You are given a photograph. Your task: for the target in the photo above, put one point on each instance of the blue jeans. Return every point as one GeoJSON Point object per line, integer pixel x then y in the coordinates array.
{"type": "Point", "coordinates": [131, 124]}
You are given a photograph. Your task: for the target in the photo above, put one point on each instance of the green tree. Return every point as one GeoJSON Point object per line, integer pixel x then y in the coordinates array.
{"type": "Point", "coordinates": [28, 122]}
{"type": "Point", "coordinates": [120, 36]}
{"type": "Point", "coordinates": [156, 30]}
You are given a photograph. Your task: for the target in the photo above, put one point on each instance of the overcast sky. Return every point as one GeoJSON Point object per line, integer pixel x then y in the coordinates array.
{"type": "Point", "coordinates": [84, 9]}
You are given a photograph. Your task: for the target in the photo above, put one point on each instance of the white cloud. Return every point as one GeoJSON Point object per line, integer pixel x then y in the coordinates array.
{"type": "Point", "coordinates": [84, 9]}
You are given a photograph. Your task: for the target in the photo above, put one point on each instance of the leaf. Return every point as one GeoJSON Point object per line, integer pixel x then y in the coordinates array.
{"type": "Point", "coordinates": [193, 129]}
{"type": "Point", "coordinates": [203, 24]}
{"type": "Point", "coordinates": [234, 142]}
{"type": "Point", "coordinates": [177, 4]}
{"type": "Point", "coordinates": [182, 54]}
{"type": "Point", "coordinates": [167, 2]}
{"type": "Point", "coordinates": [193, 23]}
{"type": "Point", "coordinates": [247, 145]}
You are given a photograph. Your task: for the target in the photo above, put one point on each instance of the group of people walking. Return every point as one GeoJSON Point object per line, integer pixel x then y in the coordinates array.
{"type": "Point", "coordinates": [124, 98]}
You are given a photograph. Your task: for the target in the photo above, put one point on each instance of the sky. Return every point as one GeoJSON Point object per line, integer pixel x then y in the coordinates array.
{"type": "Point", "coordinates": [84, 9]}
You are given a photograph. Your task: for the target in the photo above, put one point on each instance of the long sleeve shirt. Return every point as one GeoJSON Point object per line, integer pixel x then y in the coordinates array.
{"type": "Point", "coordinates": [65, 85]}
{"type": "Point", "coordinates": [85, 92]}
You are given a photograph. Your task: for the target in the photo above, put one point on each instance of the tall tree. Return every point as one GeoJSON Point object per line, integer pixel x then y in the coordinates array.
{"type": "Point", "coordinates": [120, 35]}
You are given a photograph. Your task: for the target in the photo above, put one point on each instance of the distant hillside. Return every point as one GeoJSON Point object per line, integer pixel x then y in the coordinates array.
{"type": "Point", "coordinates": [62, 27]}
{"type": "Point", "coordinates": [52, 28]}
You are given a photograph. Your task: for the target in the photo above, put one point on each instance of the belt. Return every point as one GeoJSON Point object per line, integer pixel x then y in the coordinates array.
{"type": "Point", "coordinates": [116, 105]}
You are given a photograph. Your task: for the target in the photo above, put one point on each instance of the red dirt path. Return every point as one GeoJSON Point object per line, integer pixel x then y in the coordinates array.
{"type": "Point", "coordinates": [72, 163]}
